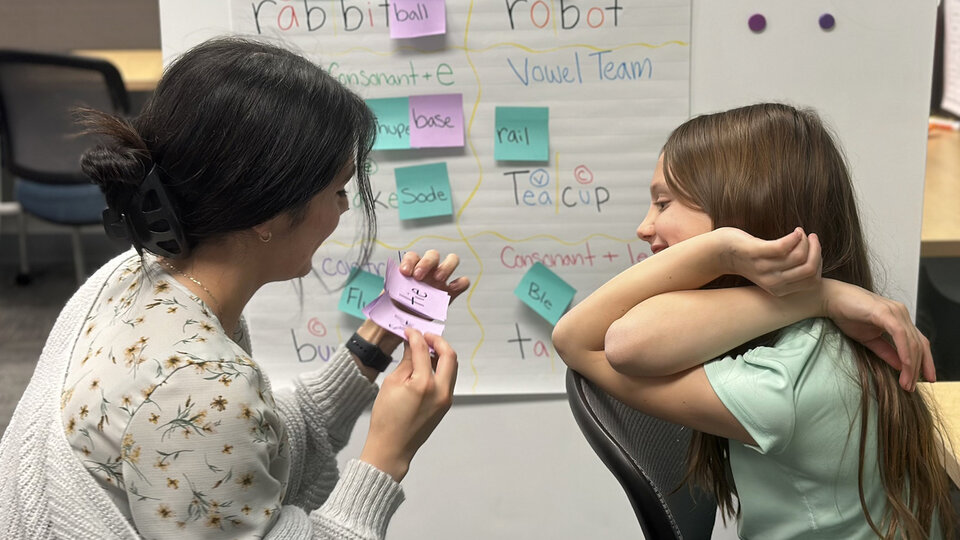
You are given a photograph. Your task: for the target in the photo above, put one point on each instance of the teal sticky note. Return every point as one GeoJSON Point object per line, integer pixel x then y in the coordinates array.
{"type": "Point", "coordinates": [361, 289]}
{"type": "Point", "coordinates": [522, 134]}
{"type": "Point", "coordinates": [393, 123]}
{"type": "Point", "coordinates": [545, 292]}
{"type": "Point", "coordinates": [423, 191]}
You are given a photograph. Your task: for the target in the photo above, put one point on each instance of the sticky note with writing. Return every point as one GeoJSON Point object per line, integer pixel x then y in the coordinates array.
{"type": "Point", "coordinates": [436, 121]}
{"type": "Point", "coordinates": [361, 289]}
{"type": "Point", "coordinates": [415, 295]}
{"type": "Point", "coordinates": [415, 18]}
{"type": "Point", "coordinates": [545, 292]}
{"type": "Point", "coordinates": [423, 191]}
{"type": "Point", "coordinates": [393, 123]}
{"type": "Point", "coordinates": [393, 319]}
{"type": "Point", "coordinates": [522, 134]}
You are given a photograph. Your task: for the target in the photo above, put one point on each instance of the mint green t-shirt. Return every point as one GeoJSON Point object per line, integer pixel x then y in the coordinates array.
{"type": "Point", "coordinates": [799, 400]}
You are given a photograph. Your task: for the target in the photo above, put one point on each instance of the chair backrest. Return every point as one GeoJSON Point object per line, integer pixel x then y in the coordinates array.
{"type": "Point", "coordinates": [938, 313]}
{"type": "Point", "coordinates": [39, 138]}
{"type": "Point", "coordinates": [648, 457]}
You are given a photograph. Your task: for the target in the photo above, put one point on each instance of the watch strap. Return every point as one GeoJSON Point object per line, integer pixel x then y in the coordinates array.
{"type": "Point", "coordinates": [369, 354]}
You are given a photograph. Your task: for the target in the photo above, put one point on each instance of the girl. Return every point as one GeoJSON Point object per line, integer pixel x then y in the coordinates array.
{"type": "Point", "coordinates": [147, 416]}
{"type": "Point", "coordinates": [722, 331]}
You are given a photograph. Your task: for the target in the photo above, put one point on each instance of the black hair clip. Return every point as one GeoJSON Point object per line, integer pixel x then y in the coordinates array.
{"type": "Point", "coordinates": [149, 221]}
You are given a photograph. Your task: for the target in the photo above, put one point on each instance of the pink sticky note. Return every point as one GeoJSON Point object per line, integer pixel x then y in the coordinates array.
{"type": "Point", "coordinates": [383, 312]}
{"type": "Point", "coordinates": [415, 295]}
{"type": "Point", "coordinates": [436, 121]}
{"type": "Point", "coordinates": [415, 18]}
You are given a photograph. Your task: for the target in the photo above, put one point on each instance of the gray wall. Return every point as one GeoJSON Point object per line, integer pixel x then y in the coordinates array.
{"type": "Point", "coordinates": [60, 26]}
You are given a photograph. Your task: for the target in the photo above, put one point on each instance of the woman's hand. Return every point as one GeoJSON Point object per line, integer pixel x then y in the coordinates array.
{"type": "Point", "coordinates": [868, 318]}
{"type": "Point", "coordinates": [433, 272]}
{"type": "Point", "coordinates": [429, 270]}
{"type": "Point", "coordinates": [411, 402]}
{"type": "Point", "coordinates": [783, 266]}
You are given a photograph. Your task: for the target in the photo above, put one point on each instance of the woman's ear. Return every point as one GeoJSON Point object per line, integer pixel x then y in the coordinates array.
{"type": "Point", "coordinates": [264, 231]}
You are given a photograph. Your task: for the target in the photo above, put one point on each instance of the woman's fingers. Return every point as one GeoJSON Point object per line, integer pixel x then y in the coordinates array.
{"type": "Point", "coordinates": [419, 352]}
{"type": "Point", "coordinates": [446, 268]}
{"type": "Point", "coordinates": [408, 262]}
{"type": "Point", "coordinates": [427, 264]}
{"type": "Point", "coordinates": [405, 368]}
{"type": "Point", "coordinates": [446, 368]}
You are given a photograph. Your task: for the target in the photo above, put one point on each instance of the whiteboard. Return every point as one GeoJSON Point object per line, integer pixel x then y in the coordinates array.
{"type": "Point", "coordinates": [575, 212]}
{"type": "Point", "coordinates": [869, 77]}
{"type": "Point", "coordinates": [856, 75]}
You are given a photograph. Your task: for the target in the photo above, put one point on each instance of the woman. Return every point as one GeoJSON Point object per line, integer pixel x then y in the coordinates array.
{"type": "Point", "coordinates": [231, 178]}
{"type": "Point", "coordinates": [720, 331]}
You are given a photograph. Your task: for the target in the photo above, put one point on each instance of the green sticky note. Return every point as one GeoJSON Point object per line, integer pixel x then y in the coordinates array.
{"type": "Point", "coordinates": [522, 134]}
{"type": "Point", "coordinates": [361, 289]}
{"type": "Point", "coordinates": [423, 191]}
{"type": "Point", "coordinates": [545, 292]}
{"type": "Point", "coordinates": [393, 123]}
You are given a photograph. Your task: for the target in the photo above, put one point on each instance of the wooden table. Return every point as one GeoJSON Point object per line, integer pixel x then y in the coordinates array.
{"type": "Point", "coordinates": [946, 396]}
{"type": "Point", "coordinates": [940, 235]}
{"type": "Point", "coordinates": [140, 68]}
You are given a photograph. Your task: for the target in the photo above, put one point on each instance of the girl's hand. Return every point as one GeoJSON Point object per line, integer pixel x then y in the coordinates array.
{"type": "Point", "coordinates": [783, 266]}
{"type": "Point", "coordinates": [433, 272]}
{"type": "Point", "coordinates": [411, 403]}
{"type": "Point", "coordinates": [869, 318]}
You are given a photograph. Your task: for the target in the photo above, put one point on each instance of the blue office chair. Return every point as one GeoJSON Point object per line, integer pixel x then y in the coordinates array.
{"type": "Point", "coordinates": [40, 144]}
{"type": "Point", "coordinates": [647, 456]}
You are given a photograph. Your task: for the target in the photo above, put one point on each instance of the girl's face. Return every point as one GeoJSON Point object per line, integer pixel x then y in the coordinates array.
{"type": "Point", "coordinates": [669, 221]}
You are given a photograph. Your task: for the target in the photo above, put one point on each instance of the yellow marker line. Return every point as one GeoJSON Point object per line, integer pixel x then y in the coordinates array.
{"type": "Point", "coordinates": [476, 189]}
{"type": "Point", "coordinates": [333, 5]}
{"type": "Point", "coordinates": [553, 10]}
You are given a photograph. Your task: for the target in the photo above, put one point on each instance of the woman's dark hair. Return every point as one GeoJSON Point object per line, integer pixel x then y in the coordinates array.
{"type": "Point", "coordinates": [767, 169]}
{"type": "Point", "coordinates": [239, 132]}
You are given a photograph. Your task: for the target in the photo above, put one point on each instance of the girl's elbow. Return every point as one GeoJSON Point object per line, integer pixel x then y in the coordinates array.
{"type": "Point", "coordinates": [561, 340]}
{"type": "Point", "coordinates": [624, 350]}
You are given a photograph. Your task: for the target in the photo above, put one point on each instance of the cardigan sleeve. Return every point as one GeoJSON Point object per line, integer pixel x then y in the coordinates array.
{"type": "Point", "coordinates": [319, 413]}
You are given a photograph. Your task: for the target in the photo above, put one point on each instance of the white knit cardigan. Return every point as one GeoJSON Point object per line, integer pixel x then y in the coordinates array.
{"type": "Point", "coordinates": [46, 493]}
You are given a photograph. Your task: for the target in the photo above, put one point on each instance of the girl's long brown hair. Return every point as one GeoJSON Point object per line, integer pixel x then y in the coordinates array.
{"type": "Point", "coordinates": [767, 169]}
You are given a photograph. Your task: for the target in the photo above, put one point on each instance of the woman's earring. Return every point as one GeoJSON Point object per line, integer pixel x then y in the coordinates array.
{"type": "Point", "coordinates": [266, 237]}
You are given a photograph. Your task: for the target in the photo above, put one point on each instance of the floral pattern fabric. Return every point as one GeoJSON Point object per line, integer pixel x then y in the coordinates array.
{"type": "Point", "coordinates": [170, 415]}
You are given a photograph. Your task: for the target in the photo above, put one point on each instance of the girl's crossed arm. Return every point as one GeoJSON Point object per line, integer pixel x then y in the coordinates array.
{"type": "Point", "coordinates": [643, 335]}
{"type": "Point", "coordinates": [624, 317]}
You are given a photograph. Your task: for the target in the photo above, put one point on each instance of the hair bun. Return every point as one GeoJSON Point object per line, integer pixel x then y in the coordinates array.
{"type": "Point", "coordinates": [123, 158]}
{"type": "Point", "coordinates": [106, 165]}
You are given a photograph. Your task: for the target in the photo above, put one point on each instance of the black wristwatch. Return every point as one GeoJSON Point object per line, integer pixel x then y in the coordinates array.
{"type": "Point", "coordinates": [369, 354]}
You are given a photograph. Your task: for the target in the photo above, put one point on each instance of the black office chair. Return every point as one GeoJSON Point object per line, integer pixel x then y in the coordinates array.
{"type": "Point", "coordinates": [647, 456]}
{"type": "Point", "coordinates": [938, 313]}
{"type": "Point", "coordinates": [40, 145]}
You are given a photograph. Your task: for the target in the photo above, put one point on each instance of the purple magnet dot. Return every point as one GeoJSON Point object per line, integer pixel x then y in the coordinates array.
{"type": "Point", "coordinates": [827, 21]}
{"type": "Point", "coordinates": [757, 22]}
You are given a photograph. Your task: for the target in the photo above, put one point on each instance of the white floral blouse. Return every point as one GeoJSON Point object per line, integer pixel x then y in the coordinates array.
{"type": "Point", "coordinates": [170, 415]}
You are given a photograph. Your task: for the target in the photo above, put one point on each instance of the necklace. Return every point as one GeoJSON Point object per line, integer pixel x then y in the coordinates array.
{"type": "Point", "coordinates": [196, 281]}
